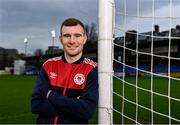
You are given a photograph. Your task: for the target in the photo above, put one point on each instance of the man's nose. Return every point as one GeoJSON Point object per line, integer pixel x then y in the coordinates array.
{"type": "Point", "coordinates": [72, 39]}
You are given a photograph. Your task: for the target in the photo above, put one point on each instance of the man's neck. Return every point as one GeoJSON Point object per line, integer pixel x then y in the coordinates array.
{"type": "Point", "coordinates": [72, 59]}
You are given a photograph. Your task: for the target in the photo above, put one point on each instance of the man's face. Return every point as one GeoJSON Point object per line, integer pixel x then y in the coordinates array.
{"type": "Point", "coordinates": [73, 39]}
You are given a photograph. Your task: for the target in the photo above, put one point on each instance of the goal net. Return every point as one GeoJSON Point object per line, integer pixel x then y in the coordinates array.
{"type": "Point", "coordinates": [146, 62]}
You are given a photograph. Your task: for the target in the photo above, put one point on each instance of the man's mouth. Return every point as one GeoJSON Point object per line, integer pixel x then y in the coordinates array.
{"type": "Point", "coordinates": [72, 47]}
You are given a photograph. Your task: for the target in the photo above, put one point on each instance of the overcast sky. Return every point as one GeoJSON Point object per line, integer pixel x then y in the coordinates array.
{"type": "Point", "coordinates": [34, 19]}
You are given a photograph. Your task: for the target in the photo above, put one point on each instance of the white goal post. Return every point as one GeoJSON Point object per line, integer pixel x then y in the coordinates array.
{"type": "Point", "coordinates": [105, 60]}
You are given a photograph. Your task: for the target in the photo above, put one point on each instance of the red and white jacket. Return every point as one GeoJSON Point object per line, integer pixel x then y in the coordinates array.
{"type": "Point", "coordinates": [74, 93]}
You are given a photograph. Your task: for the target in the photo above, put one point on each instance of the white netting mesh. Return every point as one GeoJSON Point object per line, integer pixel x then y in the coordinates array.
{"type": "Point", "coordinates": [146, 62]}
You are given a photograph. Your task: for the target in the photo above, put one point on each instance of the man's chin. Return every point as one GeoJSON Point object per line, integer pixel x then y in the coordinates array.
{"type": "Point", "coordinates": [73, 54]}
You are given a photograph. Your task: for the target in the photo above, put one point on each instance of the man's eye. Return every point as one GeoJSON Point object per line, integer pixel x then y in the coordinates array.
{"type": "Point", "coordinates": [78, 35]}
{"type": "Point", "coordinates": [66, 35]}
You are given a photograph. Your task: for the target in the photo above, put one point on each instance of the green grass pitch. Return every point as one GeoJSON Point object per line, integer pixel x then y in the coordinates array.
{"type": "Point", "coordinates": [143, 98]}
{"type": "Point", "coordinates": [15, 94]}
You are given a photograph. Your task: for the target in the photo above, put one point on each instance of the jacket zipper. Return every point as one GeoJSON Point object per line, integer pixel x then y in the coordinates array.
{"type": "Point", "coordinates": [64, 93]}
{"type": "Point", "coordinates": [67, 82]}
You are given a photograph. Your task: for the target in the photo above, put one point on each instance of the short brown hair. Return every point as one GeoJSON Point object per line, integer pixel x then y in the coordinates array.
{"type": "Point", "coordinates": [72, 22]}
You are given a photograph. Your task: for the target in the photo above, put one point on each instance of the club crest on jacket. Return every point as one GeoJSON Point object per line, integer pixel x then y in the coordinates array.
{"type": "Point", "coordinates": [79, 79]}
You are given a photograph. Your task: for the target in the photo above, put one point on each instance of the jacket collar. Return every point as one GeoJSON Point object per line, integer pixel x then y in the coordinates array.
{"type": "Point", "coordinates": [76, 62]}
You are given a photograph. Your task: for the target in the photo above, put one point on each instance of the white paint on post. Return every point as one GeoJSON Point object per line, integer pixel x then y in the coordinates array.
{"type": "Point", "coordinates": [105, 60]}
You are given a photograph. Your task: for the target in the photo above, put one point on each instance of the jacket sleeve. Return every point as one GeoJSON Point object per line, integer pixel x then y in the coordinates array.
{"type": "Point", "coordinates": [83, 107]}
{"type": "Point", "coordinates": [39, 103]}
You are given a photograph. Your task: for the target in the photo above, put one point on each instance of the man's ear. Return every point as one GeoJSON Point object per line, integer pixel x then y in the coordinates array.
{"type": "Point", "coordinates": [85, 39]}
{"type": "Point", "coordinates": [60, 39]}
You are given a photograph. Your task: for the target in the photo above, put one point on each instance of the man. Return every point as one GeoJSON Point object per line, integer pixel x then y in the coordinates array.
{"type": "Point", "coordinates": [66, 90]}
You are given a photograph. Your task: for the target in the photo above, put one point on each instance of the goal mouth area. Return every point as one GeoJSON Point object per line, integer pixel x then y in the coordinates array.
{"type": "Point", "coordinates": [145, 62]}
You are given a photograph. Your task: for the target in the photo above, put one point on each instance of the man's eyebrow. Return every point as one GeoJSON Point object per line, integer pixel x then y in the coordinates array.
{"type": "Point", "coordinates": [78, 33]}
{"type": "Point", "coordinates": [66, 34]}
{"type": "Point", "coordinates": [72, 34]}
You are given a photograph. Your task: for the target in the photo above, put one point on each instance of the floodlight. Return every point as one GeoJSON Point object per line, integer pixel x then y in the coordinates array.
{"type": "Point", "coordinates": [25, 40]}
{"type": "Point", "coordinates": [53, 33]}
